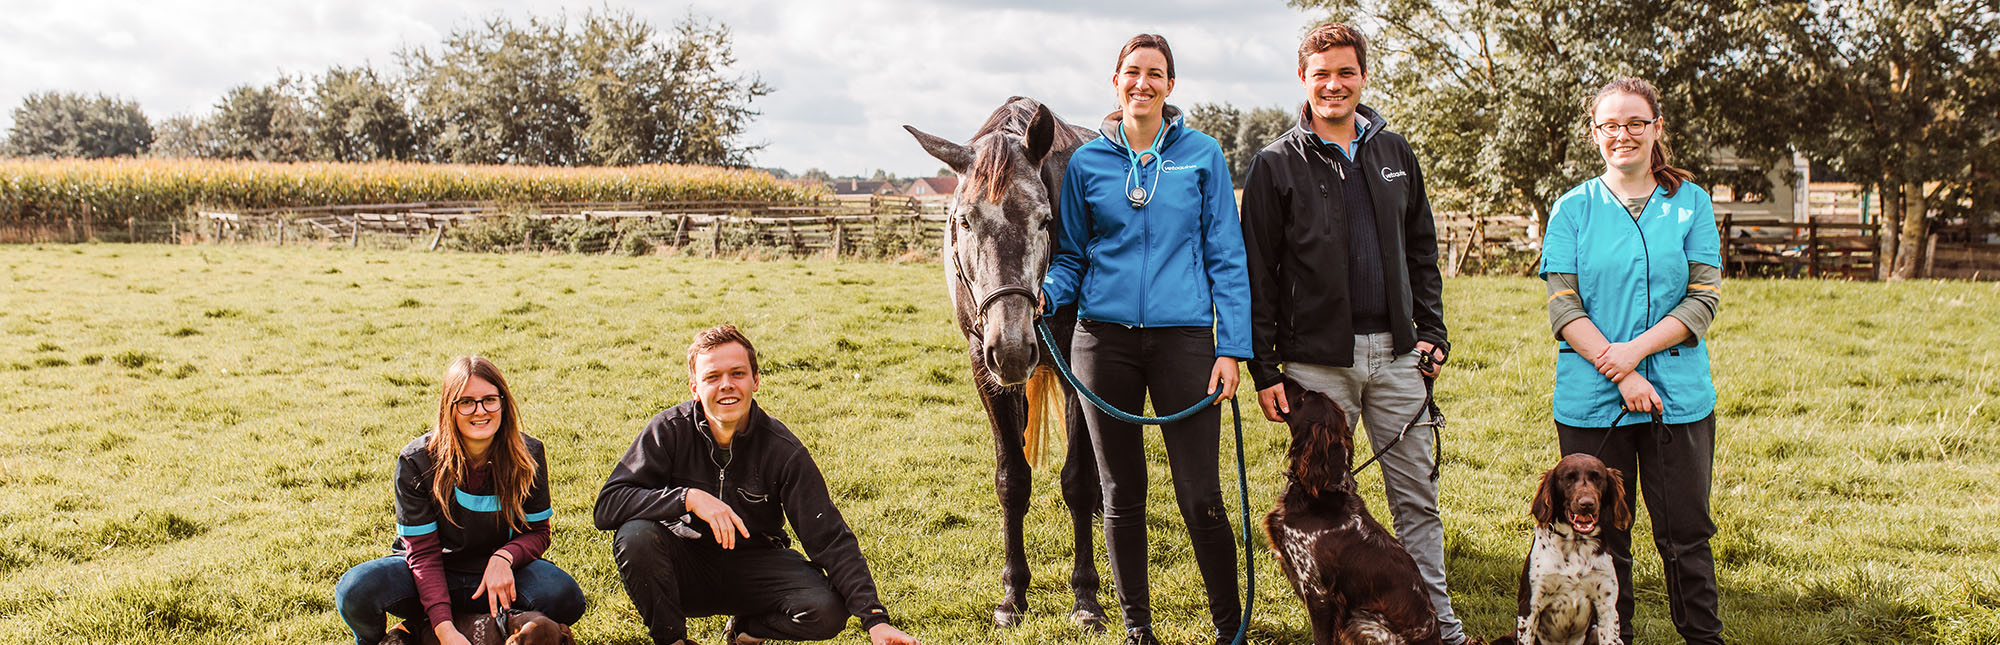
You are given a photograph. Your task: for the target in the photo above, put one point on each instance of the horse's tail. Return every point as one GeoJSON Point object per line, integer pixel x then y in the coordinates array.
{"type": "Point", "coordinates": [1045, 410]}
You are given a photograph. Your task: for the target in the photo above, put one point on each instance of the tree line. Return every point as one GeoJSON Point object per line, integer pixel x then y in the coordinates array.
{"type": "Point", "coordinates": [605, 89]}
{"type": "Point", "coordinates": [1899, 95]}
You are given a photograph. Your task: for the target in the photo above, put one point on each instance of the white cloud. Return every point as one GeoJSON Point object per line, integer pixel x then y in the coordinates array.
{"type": "Point", "coordinates": [847, 74]}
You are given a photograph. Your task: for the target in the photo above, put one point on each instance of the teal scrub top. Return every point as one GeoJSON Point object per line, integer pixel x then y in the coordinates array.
{"type": "Point", "coordinates": [1630, 273]}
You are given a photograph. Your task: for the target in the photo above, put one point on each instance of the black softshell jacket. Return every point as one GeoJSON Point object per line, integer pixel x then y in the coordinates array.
{"type": "Point", "coordinates": [770, 479]}
{"type": "Point", "coordinates": [1295, 230]}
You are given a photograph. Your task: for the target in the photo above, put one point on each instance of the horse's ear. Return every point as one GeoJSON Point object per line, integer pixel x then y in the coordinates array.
{"type": "Point", "coordinates": [957, 157]}
{"type": "Point", "coordinates": [1041, 134]}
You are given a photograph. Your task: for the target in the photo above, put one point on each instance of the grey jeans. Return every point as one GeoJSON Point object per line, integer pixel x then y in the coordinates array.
{"type": "Point", "coordinates": [1381, 392]}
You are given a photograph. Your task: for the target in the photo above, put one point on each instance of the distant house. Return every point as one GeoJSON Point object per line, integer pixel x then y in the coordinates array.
{"type": "Point", "coordinates": [862, 187]}
{"type": "Point", "coordinates": [932, 186]}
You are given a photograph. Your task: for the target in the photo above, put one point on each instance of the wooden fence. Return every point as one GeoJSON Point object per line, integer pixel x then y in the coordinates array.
{"type": "Point", "coordinates": [1816, 249]}
{"type": "Point", "coordinates": [843, 226]}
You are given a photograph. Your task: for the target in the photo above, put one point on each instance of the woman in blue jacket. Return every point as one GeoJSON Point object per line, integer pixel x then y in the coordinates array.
{"type": "Point", "coordinates": [1633, 265]}
{"type": "Point", "coordinates": [1152, 253]}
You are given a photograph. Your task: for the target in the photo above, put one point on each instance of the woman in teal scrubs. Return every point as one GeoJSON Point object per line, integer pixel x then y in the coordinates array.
{"type": "Point", "coordinates": [1633, 265]}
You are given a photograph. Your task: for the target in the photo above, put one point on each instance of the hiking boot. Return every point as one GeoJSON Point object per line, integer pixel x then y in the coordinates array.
{"type": "Point", "coordinates": [733, 636]}
{"type": "Point", "coordinates": [1140, 636]}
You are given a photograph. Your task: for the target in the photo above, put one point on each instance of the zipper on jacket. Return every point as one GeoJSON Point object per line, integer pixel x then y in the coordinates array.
{"type": "Point", "coordinates": [1645, 256]}
{"type": "Point", "coordinates": [722, 472]}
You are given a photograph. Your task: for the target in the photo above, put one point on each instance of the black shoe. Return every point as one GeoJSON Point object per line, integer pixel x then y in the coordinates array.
{"type": "Point", "coordinates": [732, 636]}
{"type": "Point", "coordinates": [1140, 636]}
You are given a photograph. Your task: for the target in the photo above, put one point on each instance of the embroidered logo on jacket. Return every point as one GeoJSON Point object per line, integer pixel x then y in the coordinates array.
{"type": "Point", "coordinates": [1391, 175]}
{"type": "Point", "coordinates": [1171, 167]}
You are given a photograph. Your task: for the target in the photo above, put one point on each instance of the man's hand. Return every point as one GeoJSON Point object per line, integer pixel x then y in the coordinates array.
{"type": "Point", "coordinates": [886, 634]}
{"type": "Point", "coordinates": [497, 584]}
{"type": "Point", "coordinates": [1272, 399]}
{"type": "Point", "coordinates": [1639, 395]}
{"type": "Point", "coordinates": [1618, 360]}
{"type": "Point", "coordinates": [1436, 363]}
{"type": "Point", "coordinates": [721, 519]}
{"type": "Point", "coordinates": [448, 635]}
{"type": "Point", "coordinates": [1226, 375]}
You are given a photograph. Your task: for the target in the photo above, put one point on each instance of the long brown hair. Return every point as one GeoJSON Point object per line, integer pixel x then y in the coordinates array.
{"type": "Point", "coordinates": [1663, 173]}
{"type": "Point", "coordinates": [513, 468]}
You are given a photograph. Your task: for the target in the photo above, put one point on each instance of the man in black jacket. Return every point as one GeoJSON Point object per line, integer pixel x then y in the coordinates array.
{"type": "Point", "coordinates": [700, 503]}
{"type": "Point", "coordinates": [1345, 293]}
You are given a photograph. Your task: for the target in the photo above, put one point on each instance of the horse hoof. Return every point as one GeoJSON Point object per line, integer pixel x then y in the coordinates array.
{"type": "Point", "coordinates": [1006, 617]}
{"type": "Point", "coordinates": [1089, 621]}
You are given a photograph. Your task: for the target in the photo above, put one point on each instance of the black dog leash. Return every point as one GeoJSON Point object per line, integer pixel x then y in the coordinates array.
{"type": "Point", "coordinates": [1436, 424]}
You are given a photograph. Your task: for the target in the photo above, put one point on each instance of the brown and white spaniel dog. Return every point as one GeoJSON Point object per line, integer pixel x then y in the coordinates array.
{"type": "Point", "coordinates": [1569, 592]}
{"type": "Point", "coordinates": [519, 628]}
{"type": "Point", "coordinates": [1358, 584]}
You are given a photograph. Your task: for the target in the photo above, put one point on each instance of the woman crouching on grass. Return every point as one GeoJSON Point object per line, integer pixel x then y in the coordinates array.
{"type": "Point", "coordinates": [472, 521]}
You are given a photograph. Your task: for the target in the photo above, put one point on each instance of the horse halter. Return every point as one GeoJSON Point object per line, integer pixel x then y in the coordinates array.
{"type": "Point", "coordinates": [985, 302]}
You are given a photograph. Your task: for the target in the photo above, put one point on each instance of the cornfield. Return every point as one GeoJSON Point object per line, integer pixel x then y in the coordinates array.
{"type": "Point", "coordinates": [107, 192]}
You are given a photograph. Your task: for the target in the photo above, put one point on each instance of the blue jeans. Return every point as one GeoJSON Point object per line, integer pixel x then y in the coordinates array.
{"type": "Point", "coordinates": [370, 591]}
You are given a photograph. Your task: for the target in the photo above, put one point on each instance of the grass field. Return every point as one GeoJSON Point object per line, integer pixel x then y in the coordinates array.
{"type": "Point", "coordinates": [195, 442]}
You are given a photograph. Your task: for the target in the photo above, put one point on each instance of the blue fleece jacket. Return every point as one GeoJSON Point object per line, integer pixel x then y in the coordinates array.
{"type": "Point", "coordinates": [1178, 261]}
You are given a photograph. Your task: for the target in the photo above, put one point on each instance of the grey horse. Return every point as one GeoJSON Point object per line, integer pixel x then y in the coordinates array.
{"type": "Point", "coordinates": [998, 242]}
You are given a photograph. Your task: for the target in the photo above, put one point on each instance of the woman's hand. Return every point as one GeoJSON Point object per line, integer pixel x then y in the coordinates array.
{"type": "Point", "coordinates": [721, 519]}
{"type": "Point", "coordinates": [1617, 360]}
{"type": "Point", "coordinates": [1225, 374]}
{"type": "Point", "coordinates": [448, 635]}
{"type": "Point", "coordinates": [1639, 394]}
{"type": "Point", "coordinates": [498, 583]}
{"type": "Point", "coordinates": [885, 634]}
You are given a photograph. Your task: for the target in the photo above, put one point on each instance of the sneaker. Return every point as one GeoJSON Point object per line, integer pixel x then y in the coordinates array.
{"type": "Point", "coordinates": [732, 636]}
{"type": "Point", "coordinates": [1140, 636]}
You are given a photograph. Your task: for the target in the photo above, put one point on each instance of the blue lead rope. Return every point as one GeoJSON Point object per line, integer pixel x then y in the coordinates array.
{"type": "Point", "coordinates": [1242, 479]}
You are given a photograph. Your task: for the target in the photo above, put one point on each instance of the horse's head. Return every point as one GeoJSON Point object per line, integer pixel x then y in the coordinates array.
{"type": "Point", "coordinates": [999, 239]}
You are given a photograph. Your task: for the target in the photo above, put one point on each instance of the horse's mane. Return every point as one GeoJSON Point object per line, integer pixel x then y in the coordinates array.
{"type": "Point", "coordinates": [993, 170]}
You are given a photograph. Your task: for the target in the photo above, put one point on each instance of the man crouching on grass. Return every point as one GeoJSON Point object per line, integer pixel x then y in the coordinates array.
{"type": "Point", "coordinates": [700, 502]}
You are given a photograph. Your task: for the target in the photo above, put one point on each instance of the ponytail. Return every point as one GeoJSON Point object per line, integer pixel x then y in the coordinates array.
{"type": "Point", "coordinates": [1664, 173]}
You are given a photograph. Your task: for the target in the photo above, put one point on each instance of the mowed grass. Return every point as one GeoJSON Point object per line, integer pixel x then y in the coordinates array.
{"type": "Point", "coordinates": [195, 442]}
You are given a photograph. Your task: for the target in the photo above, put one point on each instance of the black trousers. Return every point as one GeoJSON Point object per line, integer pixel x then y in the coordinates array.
{"type": "Point", "coordinates": [1674, 471]}
{"type": "Point", "coordinates": [1123, 365]}
{"type": "Point", "coordinates": [773, 593]}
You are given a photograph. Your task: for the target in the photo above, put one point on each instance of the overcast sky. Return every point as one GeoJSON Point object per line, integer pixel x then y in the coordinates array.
{"type": "Point", "coordinates": [848, 73]}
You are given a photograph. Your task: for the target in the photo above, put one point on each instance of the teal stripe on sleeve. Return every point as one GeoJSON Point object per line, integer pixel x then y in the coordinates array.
{"type": "Point", "coordinates": [413, 531]}
{"type": "Point", "coordinates": [477, 503]}
{"type": "Point", "coordinates": [541, 515]}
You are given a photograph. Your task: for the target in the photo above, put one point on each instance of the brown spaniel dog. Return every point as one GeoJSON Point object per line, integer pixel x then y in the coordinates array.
{"type": "Point", "coordinates": [1358, 584]}
{"type": "Point", "coordinates": [1569, 591]}
{"type": "Point", "coordinates": [521, 628]}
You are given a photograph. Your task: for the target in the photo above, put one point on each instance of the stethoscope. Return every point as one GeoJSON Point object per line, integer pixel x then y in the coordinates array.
{"type": "Point", "coordinates": [1138, 195]}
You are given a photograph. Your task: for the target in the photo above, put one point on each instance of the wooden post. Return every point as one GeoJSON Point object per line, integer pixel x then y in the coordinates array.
{"type": "Point", "coordinates": [1728, 222]}
{"type": "Point", "coordinates": [1812, 247]}
{"type": "Point", "coordinates": [355, 241]}
{"type": "Point", "coordinates": [680, 231]}
{"type": "Point", "coordinates": [715, 237]}
{"type": "Point", "coordinates": [439, 238]}
{"type": "Point", "coordinates": [218, 230]}
{"type": "Point", "coordinates": [131, 229]}
{"type": "Point", "coordinates": [792, 234]}
{"type": "Point", "coordinates": [839, 242]}
{"type": "Point", "coordinates": [1930, 252]}
{"type": "Point", "coordinates": [281, 231]}
{"type": "Point", "coordinates": [88, 232]}
{"type": "Point", "coordinates": [174, 230]}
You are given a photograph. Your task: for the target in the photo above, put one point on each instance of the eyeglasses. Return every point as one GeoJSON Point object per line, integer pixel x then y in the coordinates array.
{"type": "Point", "coordinates": [1633, 127]}
{"type": "Point", "coordinates": [490, 402]}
